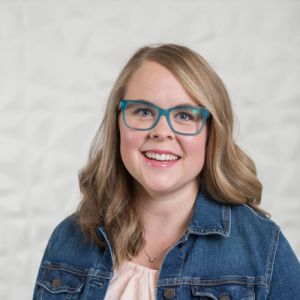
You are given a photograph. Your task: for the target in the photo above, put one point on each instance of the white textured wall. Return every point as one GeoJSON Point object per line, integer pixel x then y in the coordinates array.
{"type": "Point", "coordinates": [58, 60]}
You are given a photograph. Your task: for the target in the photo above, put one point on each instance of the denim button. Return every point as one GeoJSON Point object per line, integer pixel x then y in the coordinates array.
{"type": "Point", "coordinates": [224, 297]}
{"type": "Point", "coordinates": [56, 283]}
{"type": "Point", "coordinates": [169, 293]}
{"type": "Point", "coordinates": [100, 284]}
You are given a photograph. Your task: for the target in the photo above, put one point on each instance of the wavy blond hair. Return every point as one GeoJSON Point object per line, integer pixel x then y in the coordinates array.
{"type": "Point", "coordinates": [229, 174]}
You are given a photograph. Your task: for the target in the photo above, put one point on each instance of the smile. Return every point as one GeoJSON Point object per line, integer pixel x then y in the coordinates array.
{"type": "Point", "coordinates": [161, 157]}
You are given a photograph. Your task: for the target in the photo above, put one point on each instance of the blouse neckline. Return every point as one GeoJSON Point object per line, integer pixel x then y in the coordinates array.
{"type": "Point", "coordinates": [140, 266]}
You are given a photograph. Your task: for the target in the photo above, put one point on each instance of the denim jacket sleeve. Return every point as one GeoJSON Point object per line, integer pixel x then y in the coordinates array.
{"type": "Point", "coordinates": [285, 280]}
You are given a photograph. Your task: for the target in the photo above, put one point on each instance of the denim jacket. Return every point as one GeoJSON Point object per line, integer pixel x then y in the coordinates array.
{"type": "Point", "coordinates": [228, 252]}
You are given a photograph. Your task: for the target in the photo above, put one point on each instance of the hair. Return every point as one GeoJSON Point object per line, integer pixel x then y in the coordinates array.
{"type": "Point", "coordinates": [229, 175]}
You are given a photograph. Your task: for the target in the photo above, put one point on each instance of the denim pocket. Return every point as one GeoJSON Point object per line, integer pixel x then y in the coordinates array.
{"type": "Point", "coordinates": [223, 292]}
{"type": "Point", "coordinates": [60, 282]}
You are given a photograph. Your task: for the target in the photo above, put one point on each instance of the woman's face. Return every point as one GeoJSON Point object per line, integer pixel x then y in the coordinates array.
{"type": "Point", "coordinates": [154, 83]}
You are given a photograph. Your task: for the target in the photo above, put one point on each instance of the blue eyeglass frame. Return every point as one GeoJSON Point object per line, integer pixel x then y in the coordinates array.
{"type": "Point", "coordinates": [163, 112]}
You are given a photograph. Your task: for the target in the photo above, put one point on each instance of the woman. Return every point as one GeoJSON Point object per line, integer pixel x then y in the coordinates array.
{"type": "Point", "coordinates": [170, 206]}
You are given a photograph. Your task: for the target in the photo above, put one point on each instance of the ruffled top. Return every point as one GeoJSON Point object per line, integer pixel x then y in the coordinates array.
{"type": "Point", "coordinates": [134, 282]}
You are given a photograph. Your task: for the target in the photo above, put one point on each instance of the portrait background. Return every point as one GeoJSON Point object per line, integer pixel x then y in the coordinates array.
{"type": "Point", "coordinates": [58, 61]}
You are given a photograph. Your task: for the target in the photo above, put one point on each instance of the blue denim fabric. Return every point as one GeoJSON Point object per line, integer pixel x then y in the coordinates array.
{"type": "Point", "coordinates": [228, 252]}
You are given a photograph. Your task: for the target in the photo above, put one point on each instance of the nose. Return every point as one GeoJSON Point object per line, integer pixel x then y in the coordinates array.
{"type": "Point", "coordinates": [162, 130]}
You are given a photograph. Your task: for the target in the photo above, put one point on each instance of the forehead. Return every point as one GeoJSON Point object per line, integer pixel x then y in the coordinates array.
{"type": "Point", "coordinates": [155, 83]}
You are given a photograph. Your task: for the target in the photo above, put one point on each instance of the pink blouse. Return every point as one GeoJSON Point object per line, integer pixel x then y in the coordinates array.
{"type": "Point", "coordinates": [134, 282]}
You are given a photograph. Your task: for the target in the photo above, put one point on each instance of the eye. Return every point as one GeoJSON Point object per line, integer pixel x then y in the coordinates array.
{"type": "Point", "coordinates": [143, 112]}
{"type": "Point", "coordinates": [184, 116]}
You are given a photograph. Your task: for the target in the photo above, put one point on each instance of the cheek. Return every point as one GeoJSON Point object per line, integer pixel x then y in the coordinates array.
{"type": "Point", "coordinates": [130, 143]}
{"type": "Point", "coordinates": [195, 148]}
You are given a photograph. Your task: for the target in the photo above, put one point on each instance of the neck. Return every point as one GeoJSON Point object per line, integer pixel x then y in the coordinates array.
{"type": "Point", "coordinates": [171, 211]}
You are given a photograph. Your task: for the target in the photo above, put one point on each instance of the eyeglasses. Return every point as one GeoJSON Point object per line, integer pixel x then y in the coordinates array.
{"type": "Point", "coordinates": [182, 119]}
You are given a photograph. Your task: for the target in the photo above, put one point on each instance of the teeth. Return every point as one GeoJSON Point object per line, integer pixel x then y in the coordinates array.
{"type": "Point", "coordinates": [161, 157]}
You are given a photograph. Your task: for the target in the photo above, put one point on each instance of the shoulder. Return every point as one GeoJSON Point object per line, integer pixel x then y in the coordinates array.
{"type": "Point", "coordinates": [244, 215]}
{"type": "Point", "coordinates": [264, 240]}
{"type": "Point", "coordinates": [67, 244]}
{"type": "Point", "coordinates": [262, 234]}
{"type": "Point", "coordinates": [67, 231]}
{"type": "Point", "coordinates": [271, 247]}
{"type": "Point", "coordinates": [68, 227]}
{"type": "Point", "coordinates": [255, 233]}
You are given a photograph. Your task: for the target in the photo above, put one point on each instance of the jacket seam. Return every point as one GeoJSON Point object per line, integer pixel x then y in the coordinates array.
{"type": "Point", "coordinates": [271, 257]}
{"type": "Point", "coordinates": [62, 267]}
{"type": "Point", "coordinates": [212, 282]}
{"type": "Point", "coordinates": [93, 273]}
{"type": "Point", "coordinates": [227, 219]}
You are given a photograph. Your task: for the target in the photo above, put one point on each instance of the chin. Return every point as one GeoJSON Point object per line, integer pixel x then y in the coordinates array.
{"type": "Point", "coordinates": [159, 187]}
{"type": "Point", "coordinates": [150, 185]}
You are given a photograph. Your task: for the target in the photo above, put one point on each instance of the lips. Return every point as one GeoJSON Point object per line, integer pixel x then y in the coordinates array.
{"type": "Point", "coordinates": [161, 155]}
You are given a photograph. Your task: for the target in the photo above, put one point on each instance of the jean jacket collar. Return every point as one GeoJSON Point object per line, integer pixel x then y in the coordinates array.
{"type": "Point", "coordinates": [210, 216]}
